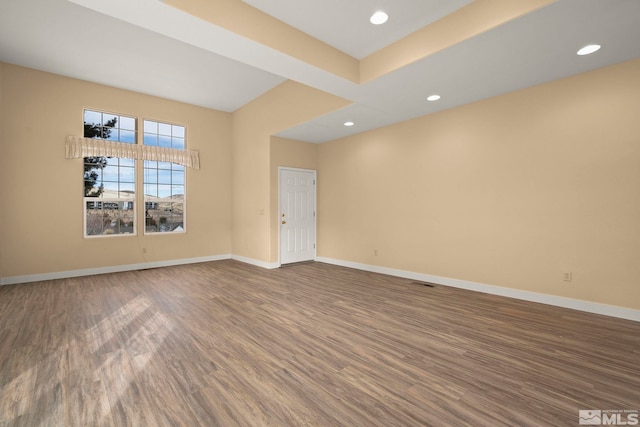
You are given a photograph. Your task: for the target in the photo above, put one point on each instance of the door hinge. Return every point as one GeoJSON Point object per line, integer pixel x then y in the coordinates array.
{"type": "Point", "coordinates": [314, 182]}
{"type": "Point", "coordinates": [314, 214]}
{"type": "Point", "coordinates": [314, 246]}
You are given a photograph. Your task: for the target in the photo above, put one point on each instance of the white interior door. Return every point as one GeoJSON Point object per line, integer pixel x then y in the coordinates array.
{"type": "Point", "coordinates": [297, 215]}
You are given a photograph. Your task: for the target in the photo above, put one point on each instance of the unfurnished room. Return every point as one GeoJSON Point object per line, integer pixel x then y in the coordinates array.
{"type": "Point", "coordinates": [319, 212]}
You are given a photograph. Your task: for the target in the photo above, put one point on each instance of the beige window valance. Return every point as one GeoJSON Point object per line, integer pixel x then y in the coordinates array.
{"type": "Point", "coordinates": [78, 147]}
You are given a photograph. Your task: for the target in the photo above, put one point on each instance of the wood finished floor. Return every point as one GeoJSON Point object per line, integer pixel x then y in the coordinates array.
{"type": "Point", "coordinates": [228, 344]}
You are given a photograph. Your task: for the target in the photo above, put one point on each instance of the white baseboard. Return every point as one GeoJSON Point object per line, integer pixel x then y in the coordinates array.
{"type": "Point", "coordinates": [102, 270]}
{"type": "Point", "coordinates": [256, 262]}
{"type": "Point", "coordinates": [591, 307]}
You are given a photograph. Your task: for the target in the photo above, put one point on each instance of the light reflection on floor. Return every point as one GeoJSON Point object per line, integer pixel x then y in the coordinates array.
{"type": "Point", "coordinates": [110, 380]}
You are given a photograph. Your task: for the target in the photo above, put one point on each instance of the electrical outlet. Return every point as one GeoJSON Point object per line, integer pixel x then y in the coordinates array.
{"type": "Point", "coordinates": [567, 276]}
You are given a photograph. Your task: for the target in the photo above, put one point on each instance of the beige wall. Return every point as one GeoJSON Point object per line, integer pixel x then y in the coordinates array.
{"type": "Point", "coordinates": [41, 191]}
{"type": "Point", "coordinates": [512, 191]}
{"type": "Point", "coordinates": [4, 177]}
{"type": "Point", "coordinates": [284, 106]}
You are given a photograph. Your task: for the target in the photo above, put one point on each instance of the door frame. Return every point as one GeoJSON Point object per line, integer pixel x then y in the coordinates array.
{"type": "Point", "coordinates": [315, 212]}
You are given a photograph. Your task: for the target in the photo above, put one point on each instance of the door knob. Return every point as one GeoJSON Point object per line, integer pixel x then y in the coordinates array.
{"type": "Point", "coordinates": [284, 222]}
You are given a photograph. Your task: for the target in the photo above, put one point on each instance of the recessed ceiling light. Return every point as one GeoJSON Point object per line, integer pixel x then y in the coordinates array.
{"type": "Point", "coordinates": [349, 123]}
{"type": "Point", "coordinates": [433, 97]}
{"type": "Point", "coordinates": [379, 18]}
{"type": "Point", "coordinates": [588, 49]}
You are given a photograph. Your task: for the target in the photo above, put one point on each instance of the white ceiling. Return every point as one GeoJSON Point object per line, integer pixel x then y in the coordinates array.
{"type": "Point", "coordinates": [534, 49]}
{"type": "Point", "coordinates": [150, 47]}
{"type": "Point", "coordinates": [63, 38]}
{"type": "Point", "coordinates": [345, 24]}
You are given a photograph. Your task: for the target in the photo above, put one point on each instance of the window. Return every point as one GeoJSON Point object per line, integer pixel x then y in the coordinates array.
{"type": "Point", "coordinates": [164, 187]}
{"type": "Point", "coordinates": [111, 196]}
{"type": "Point", "coordinates": [109, 182]}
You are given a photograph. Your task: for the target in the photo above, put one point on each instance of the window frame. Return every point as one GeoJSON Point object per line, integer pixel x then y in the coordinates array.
{"type": "Point", "coordinates": [111, 200]}
{"type": "Point", "coordinates": [143, 184]}
{"type": "Point", "coordinates": [137, 204]}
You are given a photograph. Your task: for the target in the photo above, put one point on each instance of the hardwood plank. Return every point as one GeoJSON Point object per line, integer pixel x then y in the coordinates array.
{"type": "Point", "coordinates": [228, 344]}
